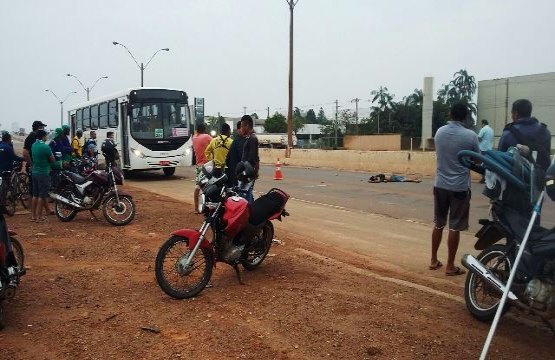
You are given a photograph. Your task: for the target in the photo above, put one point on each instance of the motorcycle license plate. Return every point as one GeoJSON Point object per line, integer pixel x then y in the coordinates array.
{"type": "Point", "coordinates": [164, 163]}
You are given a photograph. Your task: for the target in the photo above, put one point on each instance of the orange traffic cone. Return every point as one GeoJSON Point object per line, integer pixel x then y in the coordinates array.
{"type": "Point", "coordinates": [278, 175]}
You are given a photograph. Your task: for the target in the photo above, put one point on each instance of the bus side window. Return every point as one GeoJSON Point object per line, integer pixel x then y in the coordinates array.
{"type": "Point", "coordinates": [103, 116]}
{"type": "Point", "coordinates": [94, 117]}
{"type": "Point", "coordinates": [86, 119]}
{"type": "Point", "coordinates": [79, 121]}
{"type": "Point", "coordinates": [113, 114]}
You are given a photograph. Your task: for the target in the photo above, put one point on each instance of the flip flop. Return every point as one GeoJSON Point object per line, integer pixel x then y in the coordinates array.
{"type": "Point", "coordinates": [458, 271]}
{"type": "Point", "coordinates": [436, 266]}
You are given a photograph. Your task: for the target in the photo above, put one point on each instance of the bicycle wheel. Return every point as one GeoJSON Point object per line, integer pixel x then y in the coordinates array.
{"type": "Point", "coordinates": [22, 189]}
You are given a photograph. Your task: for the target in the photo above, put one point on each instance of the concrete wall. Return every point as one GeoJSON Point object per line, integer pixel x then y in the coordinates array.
{"type": "Point", "coordinates": [496, 97]}
{"type": "Point", "coordinates": [390, 142]}
{"type": "Point", "coordinates": [399, 162]}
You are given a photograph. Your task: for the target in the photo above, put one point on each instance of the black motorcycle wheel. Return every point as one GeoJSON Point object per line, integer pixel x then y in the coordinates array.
{"type": "Point", "coordinates": [481, 299]}
{"type": "Point", "coordinates": [175, 281]}
{"type": "Point", "coordinates": [121, 213]}
{"type": "Point", "coordinates": [18, 252]}
{"type": "Point", "coordinates": [1, 315]}
{"type": "Point", "coordinates": [64, 212]}
{"type": "Point", "coordinates": [256, 251]}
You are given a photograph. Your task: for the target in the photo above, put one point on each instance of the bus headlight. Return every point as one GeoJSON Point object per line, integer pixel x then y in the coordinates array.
{"type": "Point", "coordinates": [138, 153]}
{"type": "Point", "coordinates": [188, 151]}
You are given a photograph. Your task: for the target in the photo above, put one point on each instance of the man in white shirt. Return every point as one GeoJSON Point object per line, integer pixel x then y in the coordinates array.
{"type": "Point", "coordinates": [485, 139]}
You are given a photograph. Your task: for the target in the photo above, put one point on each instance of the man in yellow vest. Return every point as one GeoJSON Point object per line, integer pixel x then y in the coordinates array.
{"type": "Point", "coordinates": [76, 147]}
{"type": "Point", "coordinates": [219, 147]}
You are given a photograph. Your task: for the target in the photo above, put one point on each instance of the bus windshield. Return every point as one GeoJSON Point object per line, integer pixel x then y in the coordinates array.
{"type": "Point", "coordinates": [159, 120]}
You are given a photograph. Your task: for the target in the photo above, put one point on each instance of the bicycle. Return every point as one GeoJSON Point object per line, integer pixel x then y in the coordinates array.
{"type": "Point", "coordinates": [20, 184]}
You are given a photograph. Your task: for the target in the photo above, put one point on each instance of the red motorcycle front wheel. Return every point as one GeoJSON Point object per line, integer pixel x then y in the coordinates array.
{"type": "Point", "coordinates": [174, 277]}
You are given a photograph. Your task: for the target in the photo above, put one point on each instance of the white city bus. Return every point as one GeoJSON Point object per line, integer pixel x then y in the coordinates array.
{"type": "Point", "coordinates": [151, 126]}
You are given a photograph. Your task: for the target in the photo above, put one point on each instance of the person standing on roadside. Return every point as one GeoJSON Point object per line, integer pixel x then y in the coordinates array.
{"type": "Point", "coordinates": [91, 147]}
{"type": "Point", "coordinates": [485, 138]}
{"type": "Point", "coordinates": [452, 186]}
{"type": "Point", "coordinates": [200, 143]}
{"type": "Point", "coordinates": [234, 156]}
{"type": "Point", "coordinates": [66, 144]}
{"type": "Point", "coordinates": [76, 147]}
{"type": "Point", "coordinates": [250, 151]}
{"type": "Point", "coordinates": [29, 141]}
{"type": "Point", "coordinates": [7, 154]}
{"type": "Point", "coordinates": [219, 147]}
{"type": "Point", "coordinates": [527, 130]}
{"type": "Point", "coordinates": [42, 158]}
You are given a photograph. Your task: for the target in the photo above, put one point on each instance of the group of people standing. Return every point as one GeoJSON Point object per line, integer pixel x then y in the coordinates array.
{"type": "Point", "coordinates": [452, 183]}
{"type": "Point", "coordinates": [226, 152]}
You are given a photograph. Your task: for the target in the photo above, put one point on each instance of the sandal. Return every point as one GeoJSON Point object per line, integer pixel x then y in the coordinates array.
{"type": "Point", "coordinates": [436, 266]}
{"type": "Point", "coordinates": [458, 271]}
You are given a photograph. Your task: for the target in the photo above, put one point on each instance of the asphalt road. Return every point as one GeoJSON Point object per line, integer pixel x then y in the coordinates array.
{"type": "Point", "coordinates": [351, 190]}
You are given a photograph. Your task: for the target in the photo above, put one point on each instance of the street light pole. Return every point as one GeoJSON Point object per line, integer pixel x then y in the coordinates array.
{"type": "Point", "coordinates": [141, 67]}
{"type": "Point", "coordinates": [61, 103]}
{"type": "Point", "coordinates": [291, 4]}
{"type": "Point", "coordinates": [87, 89]}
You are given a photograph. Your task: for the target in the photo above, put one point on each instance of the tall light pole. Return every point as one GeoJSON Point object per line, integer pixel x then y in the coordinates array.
{"type": "Point", "coordinates": [61, 103]}
{"type": "Point", "coordinates": [291, 4]}
{"type": "Point", "coordinates": [374, 92]}
{"type": "Point", "coordinates": [87, 89]}
{"type": "Point", "coordinates": [141, 66]}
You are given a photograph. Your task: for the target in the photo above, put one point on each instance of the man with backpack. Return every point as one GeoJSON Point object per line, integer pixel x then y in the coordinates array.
{"type": "Point", "coordinates": [219, 147]}
{"type": "Point", "coordinates": [527, 130]}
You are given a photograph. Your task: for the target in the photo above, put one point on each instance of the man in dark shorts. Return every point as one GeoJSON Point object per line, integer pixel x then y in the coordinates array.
{"type": "Point", "coordinates": [42, 160]}
{"type": "Point", "coordinates": [29, 141]}
{"type": "Point", "coordinates": [250, 151]}
{"type": "Point", "coordinates": [452, 186]}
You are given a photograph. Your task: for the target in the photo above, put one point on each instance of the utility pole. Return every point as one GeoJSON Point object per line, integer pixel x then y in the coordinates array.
{"type": "Point", "coordinates": [244, 110]}
{"type": "Point", "coordinates": [268, 108]}
{"type": "Point", "coordinates": [335, 127]}
{"type": "Point", "coordinates": [356, 100]}
{"type": "Point", "coordinates": [291, 4]}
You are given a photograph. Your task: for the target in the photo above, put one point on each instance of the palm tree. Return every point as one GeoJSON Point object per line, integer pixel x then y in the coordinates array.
{"type": "Point", "coordinates": [465, 83]}
{"type": "Point", "coordinates": [384, 103]}
{"type": "Point", "coordinates": [416, 98]}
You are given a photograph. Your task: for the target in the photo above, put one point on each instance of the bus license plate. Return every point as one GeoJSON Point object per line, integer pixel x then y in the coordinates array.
{"type": "Point", "coordinates": [164, 163]}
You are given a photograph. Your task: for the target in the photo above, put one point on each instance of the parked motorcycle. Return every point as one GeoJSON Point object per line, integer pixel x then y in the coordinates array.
{"type": "Point", "coordinates": [76, 193]}
{"type": "Point", "coordinates": [513, 187]}
{"type": "Point", "coordinates": [239, 234]}
{"type": "Point", "coordinates": [11, 265]}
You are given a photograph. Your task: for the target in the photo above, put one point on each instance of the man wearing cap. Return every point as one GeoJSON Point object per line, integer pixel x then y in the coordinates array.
{"type": "Point", "coordinates": [29, 141]}
{"type": "Point", "coordinates": [76, 147]}
{"type": "Point", "coordinates": [42, 159]}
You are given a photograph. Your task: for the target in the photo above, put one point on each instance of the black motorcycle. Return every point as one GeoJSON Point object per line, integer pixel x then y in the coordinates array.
{"type": "Point", "coordinates": [11, 265]}
{"type": "Point", "coordinates": [74, 193]}
{"type": "Point", "coordinates": [513, 187]}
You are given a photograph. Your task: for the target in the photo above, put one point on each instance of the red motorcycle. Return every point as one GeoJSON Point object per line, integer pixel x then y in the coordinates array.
{"type": "Point", "coordinates": [239, 234]}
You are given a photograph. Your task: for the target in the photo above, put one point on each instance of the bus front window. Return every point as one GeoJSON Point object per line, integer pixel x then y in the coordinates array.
{"type": "Point", "coordinates": [157, 121]}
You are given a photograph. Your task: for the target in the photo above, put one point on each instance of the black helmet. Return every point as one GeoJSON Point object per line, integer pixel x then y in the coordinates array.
{"type": "Point", "coordinates": [550, 182]}
{"type": "Point", "coordinates": [245, 171]}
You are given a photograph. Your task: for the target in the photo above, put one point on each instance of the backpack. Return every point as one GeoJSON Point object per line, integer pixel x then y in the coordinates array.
{"type": "Point", "coordinates": [544, 157]}
{"type": "Point", "coordinates": [222, 143]}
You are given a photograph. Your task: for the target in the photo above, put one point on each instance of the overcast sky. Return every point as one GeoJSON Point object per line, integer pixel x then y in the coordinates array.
{"type": "Point", "coordinates": [234, 53]}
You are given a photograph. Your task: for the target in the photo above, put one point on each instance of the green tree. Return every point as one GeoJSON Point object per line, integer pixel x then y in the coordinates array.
{"type": "Point", "coordinates": [382, 111]}
{"type": "Point", "coordinates": [275, 124]}
{"type": "Point", "coordinates": [311, 117]}
{"type": "Point", "coordinates": [298, 120]}
{"type": "Point", "coordinates": [321, 118]}
{"type": "Point", "coordinates": [216, 122]}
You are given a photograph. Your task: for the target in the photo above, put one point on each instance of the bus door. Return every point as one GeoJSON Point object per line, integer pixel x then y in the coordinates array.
{"type": "Point", "coordinates": [125, 134]}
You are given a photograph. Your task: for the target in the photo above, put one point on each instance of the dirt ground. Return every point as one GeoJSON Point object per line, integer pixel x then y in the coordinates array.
{"type": "Point", "coordinates": [90, 289]}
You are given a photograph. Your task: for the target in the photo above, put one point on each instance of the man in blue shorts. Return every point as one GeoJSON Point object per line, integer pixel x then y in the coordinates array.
{"type": "Point", "coordinates": [42, 159]}
{"type": "Point", "coordinates": [452, 186]}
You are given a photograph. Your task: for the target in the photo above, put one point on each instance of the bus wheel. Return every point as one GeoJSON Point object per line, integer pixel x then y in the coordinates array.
{"type": "Point", "coordinates": [169, 171]}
